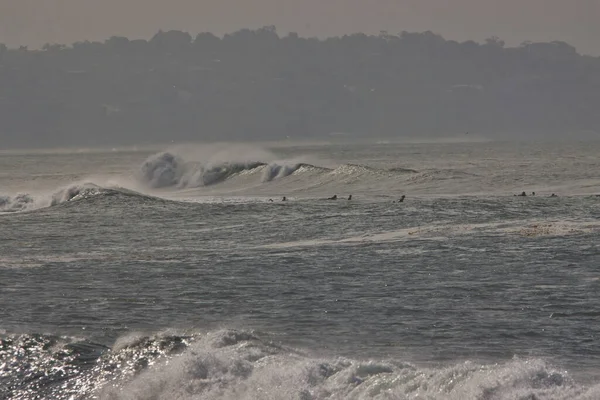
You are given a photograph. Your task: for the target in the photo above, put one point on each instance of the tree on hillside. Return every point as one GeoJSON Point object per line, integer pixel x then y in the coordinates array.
{"type": "Point", "coordinates": [254, 83]}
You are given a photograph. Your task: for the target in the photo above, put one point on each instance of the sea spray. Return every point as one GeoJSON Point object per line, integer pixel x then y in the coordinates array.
{"type": "Point", "coordinates": [165, 170]}
{"type": "Point", "coordinates": [20, 202]}
{"type": "Point", "coordinates": [232, 364]}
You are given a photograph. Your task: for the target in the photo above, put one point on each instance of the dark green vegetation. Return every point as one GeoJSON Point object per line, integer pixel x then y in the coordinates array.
{"type": "Point", "coordinates": [255, 84]}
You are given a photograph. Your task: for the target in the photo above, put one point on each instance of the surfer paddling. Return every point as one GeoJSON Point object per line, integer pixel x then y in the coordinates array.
{"type": "Point", "coordinates": [400, 200]}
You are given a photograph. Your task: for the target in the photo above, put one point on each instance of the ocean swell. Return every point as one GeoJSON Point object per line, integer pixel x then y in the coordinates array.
{"type": "Point", "coordinates": [28, 202]}
{"type": "Point", "coordinates": [164, 170]}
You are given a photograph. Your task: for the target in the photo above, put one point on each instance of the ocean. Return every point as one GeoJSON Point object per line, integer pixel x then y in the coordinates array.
{"type": "Point", "coordinates": [179, 272]}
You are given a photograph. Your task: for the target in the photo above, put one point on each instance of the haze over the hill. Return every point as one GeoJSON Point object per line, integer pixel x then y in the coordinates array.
{"type": "Point", "coordinates": [36, 22]}
{"type": "Point", "coordinates": [256, 84]}
{"type": "Point", "coordinates": [187, 84]}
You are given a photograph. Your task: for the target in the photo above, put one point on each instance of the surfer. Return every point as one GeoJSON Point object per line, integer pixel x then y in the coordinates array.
{"type": "Point", "coordinates": [533, 193]}
{"type": "Point", "coordinates": [523, 194]}
{"type": "Point", "coordinates": [402, 199]}
{"type": "Point", "coordinates": [553, 195]}
{"type": "Point", "coordinates": [284, 198]}
{"type": "Point", "coordinates": [334, 197]}
{"type": "Point", "coordinates": [270, 200]}
{"type": "Point", "coordinates": [350, 197]}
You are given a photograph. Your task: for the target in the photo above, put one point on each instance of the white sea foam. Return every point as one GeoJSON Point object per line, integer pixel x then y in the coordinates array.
{"type": "Point", "coordinates": [26, 201]}
{"type": "Point", "coordinates": [164, 170]}
{"type": "Point", "coordinates": [237, 365]}
{"type": "Point", "coordinates": [244, 170]}
{"type": "Point", "coordinates": [436, 231]}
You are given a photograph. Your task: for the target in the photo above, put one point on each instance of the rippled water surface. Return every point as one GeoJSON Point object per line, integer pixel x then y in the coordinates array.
{"type": "Point", "coordinates": [140, 275]}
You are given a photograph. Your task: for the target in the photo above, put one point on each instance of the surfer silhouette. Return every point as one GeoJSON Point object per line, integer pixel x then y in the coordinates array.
{"type": "Point", "coordinates": [334, 197]}
{"type": "Point", "coordinates": [284, 198]}
{"type": "Point", "coordinates": [350, 197]}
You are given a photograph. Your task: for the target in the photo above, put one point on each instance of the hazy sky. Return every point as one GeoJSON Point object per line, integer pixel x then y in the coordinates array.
{"type": "Point", "coordinates": [35, 22]}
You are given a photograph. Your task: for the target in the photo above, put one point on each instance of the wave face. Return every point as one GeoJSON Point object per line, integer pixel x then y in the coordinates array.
{"type": "Point", "coordinates": [162, 170]}
{"type": "Point", "coordinates": [231, 364]}
{"type": "Point", "coordinates": [169, 170]}
{"type": "Point", "coordinates": [166, 169]}
{"type": "Point", "coordinates": [275, 170]}
{"type": "Point", "coordinates": [71, 193]}
{"type": "Point", "coordinates": [228, 172]}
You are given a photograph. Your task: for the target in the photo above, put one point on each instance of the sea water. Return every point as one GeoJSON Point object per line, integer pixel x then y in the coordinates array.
{"type": "Point", "coordinates": [179, 272]}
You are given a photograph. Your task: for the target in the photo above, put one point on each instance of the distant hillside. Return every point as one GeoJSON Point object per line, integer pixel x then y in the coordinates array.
{"type": "Point", "coordinates": [255, 84]}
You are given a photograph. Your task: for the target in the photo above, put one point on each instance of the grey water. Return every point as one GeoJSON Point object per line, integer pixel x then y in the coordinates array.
{"type": "Point", "coordinates": [128, 274]}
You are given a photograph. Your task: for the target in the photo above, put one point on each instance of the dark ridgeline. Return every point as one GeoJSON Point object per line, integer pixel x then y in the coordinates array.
{"type": "Point", "coordinates": [255, 84]}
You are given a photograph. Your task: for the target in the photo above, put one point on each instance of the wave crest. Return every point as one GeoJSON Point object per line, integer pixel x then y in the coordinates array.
{"type": "Point", "coordinates": [75, 192]}
{"type": "Point", "coordinates": [20, 202]}
{"type": "Point", "coordinates": [171, 170]}
{"type": "Point", "coordinates": [165, 170]}
{"type": "Point", "coordinates": [230, 364]}
{"type": "Point", "coordinates": [161, 170]}
{"type": "Point", "coordinates": [277, 170]}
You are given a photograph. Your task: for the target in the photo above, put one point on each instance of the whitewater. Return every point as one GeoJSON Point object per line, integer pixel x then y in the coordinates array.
{"type": "Point", "coordinates": [179, 272]}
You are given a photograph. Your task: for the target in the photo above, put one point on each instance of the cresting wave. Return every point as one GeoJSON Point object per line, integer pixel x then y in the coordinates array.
{"type": "Point", "coordinates": [169, 170]}
{"type": "Point", "coordinates": [20, 202]}
{"type": "Point", "coordinates": [75, 192]}
{"type": "Point", "coordinates": [26, 201]}
{"type": "Point", "coordinates": [166, 169]}
{"type": "Point", "coordinates": [172, 171]}
{"type": "Point", "coordinates": [230, 364]}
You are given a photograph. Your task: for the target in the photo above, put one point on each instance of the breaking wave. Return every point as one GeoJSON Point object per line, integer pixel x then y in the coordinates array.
{"type": "Point", "coordinates": [168, 170]}
{"type": "Point", "coordinates": [276, 170]}
{"type": "Point", "coordinates": [71, 193]}
{"type": "Point", "coordinates": [20, 202]}
{"type": "Point", "coordinates": [172, 170]}
{"type": "Point", "coordinates": [230, 364]}
{"type": "Point", "coordinates": [164, 170]}
{"type": "Point", "coordinates": [26, 201]}
{"type": "Point", "coordinates": [77, 192]}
